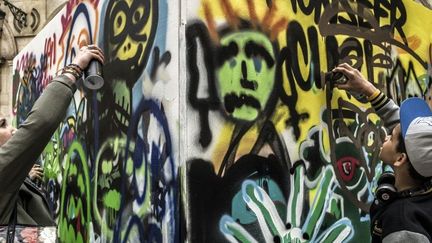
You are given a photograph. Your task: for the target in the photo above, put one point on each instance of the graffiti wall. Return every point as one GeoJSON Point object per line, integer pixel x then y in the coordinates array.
{"type": "Point", "coordinates": [215, 122]}
{"type": "Point", "coordinates": [111, 168]}
{"type": "Point", "coordinates": [275, 154]}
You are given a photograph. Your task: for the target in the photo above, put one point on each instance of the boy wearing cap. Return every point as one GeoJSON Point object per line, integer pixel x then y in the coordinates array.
{"type": "Point", "coordinates": [408, 150]}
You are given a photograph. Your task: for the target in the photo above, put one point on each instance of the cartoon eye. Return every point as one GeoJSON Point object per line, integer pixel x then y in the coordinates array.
{"type": "Point", "coordinates": [119, 23]}
{"type": "Point", "coordinates": [257, 60]}
{"type": "Point", "coordinates": [106, 167]}
{"type": "Point", "coordinates": [137, 15]}
{"type": "Point", "coordinates": [232, 62]}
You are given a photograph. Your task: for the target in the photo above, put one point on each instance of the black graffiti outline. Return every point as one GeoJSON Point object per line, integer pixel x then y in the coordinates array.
{"type": "Point", "coordinates": [198, 32]}
{"type": "Point", "coordinates": [377, 34]}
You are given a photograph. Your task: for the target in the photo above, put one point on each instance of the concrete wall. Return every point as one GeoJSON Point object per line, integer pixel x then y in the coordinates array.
{"type": "Point", "coordinates": [214, 123]}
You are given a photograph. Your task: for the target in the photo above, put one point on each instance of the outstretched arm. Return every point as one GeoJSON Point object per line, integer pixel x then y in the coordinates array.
{"type": "Point", "coordinates": [19, 153]}
{"type": "Point", "coordinates": [385, 107]}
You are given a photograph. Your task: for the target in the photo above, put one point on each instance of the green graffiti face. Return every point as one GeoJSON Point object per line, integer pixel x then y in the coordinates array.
{"type": "Point", "coordinates": [245, 73]}
{"type": "Point", "coordinates": [106, 195]}
{"type": "Point", "coordinates": [75, 209]}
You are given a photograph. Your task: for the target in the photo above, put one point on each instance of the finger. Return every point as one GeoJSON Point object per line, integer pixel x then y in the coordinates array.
{"type": "Point", "coordinates": [95, 47]}
{"type": "Point", "coordinates": [38, 177]}
{"type": "Point", "coordinates": [340, 69]}
{"type": "Point", "coordinates": [347, 66]}
{"type": "Point", "coordinates": [98, 55]}
{"type": "Point", "coordinates": [98, 51]}
{"type": "Point", "coordinates": [39, 169]}
{"type": "Point", "coordinates": [344, 86]}
{"type": "Point", "coordinates": [348, 72]}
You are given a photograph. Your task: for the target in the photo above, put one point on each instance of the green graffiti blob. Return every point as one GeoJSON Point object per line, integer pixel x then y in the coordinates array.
{"type": "Point", "coordinates": [75, 211]}
{"type": "Point", "coordinates": [51, 158]}
{"type": "Point", "coordinates": [246, 76]}
{"type": "Point", "coordinates": [107, 182]}
{"type": "Point", "coordinates": [107, 185]}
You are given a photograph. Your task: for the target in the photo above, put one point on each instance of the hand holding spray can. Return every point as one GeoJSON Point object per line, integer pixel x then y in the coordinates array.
{"type": "Point", "coordinates": [340, 78]}
{"type": "Point", "coordinates": [93, 75]}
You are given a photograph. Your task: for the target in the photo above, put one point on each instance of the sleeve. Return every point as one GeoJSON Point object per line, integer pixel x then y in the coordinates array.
{"type": "Point", "coordinates": [19, 153]}
{"type": "Point", "coordinates": [386, 109]}
{"type": "Point", "coordinates": [402, 222]}
{"type": "Point", "coordinates": [405, 236]}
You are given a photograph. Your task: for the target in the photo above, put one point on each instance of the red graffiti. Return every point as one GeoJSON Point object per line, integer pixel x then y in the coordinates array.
{"type": "Point", "coordinates": [26, 63]}
{"type": "Point", "coordinates": [70, 7]}
{"type": "Point", "coordinates": [50, 51]}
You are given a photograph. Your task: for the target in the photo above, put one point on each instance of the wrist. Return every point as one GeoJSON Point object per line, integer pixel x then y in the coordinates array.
{"type": "Point", "coordinates": [77, 67]}
{"type": "Point", "coordinates": [70, 76]}
{"type": "Point", "coordinates": [369, 90]}
{"type": "Point", "coordinates": [72, 71]}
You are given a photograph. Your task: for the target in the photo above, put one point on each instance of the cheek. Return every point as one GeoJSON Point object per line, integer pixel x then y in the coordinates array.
{"type": "Point", "coordinates": [383, 148]}
{"type": "Point", "coordinates": [4, 137]}
{"type": "Point", "coordinates": [386, 153]}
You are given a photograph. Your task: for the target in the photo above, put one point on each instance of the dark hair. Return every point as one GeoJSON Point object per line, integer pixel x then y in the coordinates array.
{"type": "Point", "coordinates": [412, 172]}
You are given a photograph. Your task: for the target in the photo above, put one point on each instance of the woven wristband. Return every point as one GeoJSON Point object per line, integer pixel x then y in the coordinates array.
{"type": "Point", "coordinates": [77, 67]}
{"type": "Point", "coordinates": [72, 71]}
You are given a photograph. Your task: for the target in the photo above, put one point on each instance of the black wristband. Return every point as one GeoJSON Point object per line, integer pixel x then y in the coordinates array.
{"type": "Point", "coordinates": [77, 66]}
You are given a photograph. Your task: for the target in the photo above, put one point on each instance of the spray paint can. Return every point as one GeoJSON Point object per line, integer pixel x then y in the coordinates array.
{"type": "Point", "coordinates": [93, 75]}
{"type": "Point", "coordinates": [340, 78]}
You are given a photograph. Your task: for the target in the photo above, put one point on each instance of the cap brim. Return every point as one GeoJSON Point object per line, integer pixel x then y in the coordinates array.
{"type": "Point", "coordinates": [411, 109]}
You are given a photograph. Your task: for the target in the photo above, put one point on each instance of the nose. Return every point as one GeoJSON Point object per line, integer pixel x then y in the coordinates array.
{"type": "Point", "coordinates": [245, 83]}
{"type": "Point", "coordinates": [244, 69]}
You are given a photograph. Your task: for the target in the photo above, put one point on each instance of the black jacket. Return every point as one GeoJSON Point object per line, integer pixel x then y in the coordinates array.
{"type": "Point", "coordinates": [407, 219]}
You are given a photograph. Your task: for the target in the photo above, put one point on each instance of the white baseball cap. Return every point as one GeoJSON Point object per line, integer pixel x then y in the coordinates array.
{"type": "Point", "coordinates": [416, 128]}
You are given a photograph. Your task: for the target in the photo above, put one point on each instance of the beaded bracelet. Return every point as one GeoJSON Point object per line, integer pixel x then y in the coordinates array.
{"type": "Point", "coordinates": [77, 67]}
{"type": "Point", "coordinates": [73, 71]}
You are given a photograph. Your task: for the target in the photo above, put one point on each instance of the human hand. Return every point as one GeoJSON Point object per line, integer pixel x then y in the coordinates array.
{"type": "Point", "coordinates": [36, 173]}
{"type": "Point", "coordinates": [86, 54]}
{"type": "Point", "coordinates": [356, 81]}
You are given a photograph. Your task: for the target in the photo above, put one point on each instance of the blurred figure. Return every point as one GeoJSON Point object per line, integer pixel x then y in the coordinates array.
{"type": "Point", "coordinates": [36, 173]}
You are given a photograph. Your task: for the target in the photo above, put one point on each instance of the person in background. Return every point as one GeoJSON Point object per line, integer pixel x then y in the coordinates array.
{"type": "Point", "coordinates": [407, 217]}
{"type": "Point", "coordinates": [20, 202]}
{"type": "Point", "coordinates": [36, 173]}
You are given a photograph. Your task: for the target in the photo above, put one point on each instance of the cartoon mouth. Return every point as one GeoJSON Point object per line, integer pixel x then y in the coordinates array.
{"type": "Point", "coordinates": [121, 108]}
{"type": "Point", "coordinates": [233, 101]}
{"type": "Point", "coordinates": [347, 167]}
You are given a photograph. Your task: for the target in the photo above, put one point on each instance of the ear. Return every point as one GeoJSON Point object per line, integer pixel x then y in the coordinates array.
{"type": "Point", "coordinates": [401, 160]}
